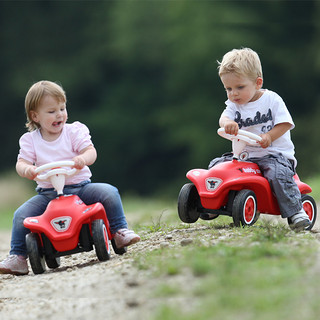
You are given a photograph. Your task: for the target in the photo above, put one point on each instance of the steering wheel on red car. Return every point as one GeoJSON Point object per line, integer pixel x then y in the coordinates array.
{"type": "Point", "coordinates": [56, 173]}
{"type": "Point", "coordinates": [240, 140]}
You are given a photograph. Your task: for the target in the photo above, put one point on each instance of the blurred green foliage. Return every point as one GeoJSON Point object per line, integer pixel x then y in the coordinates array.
{"type": "Point", "coordinates": [143, 76]}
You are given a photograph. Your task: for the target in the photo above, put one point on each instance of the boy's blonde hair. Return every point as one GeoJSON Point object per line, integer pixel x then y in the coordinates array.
{"type": "Point", "coordinates": [242, 62]}
{"type": "Point", "coordinates": [36, 92]}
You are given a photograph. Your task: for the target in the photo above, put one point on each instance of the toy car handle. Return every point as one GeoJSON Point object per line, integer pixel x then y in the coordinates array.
{"type": "Point", "coordinates": [248, 137]}
{"type": "Point", "coordinates": [55, 168]}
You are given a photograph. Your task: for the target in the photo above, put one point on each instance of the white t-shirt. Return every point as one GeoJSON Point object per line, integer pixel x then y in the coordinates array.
{"type": "Point", "coordinates": [261, 116]}
{"type": "Point", "coordinates": [74, 138]}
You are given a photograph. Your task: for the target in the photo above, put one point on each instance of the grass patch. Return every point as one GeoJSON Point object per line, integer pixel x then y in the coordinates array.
{"type": "Point", "coordinates": [262, 272]}
{"type": "Point", "coordinates": [6, 217]}
{"type": "Point", "coordinates": [13, 192]}
{"type": "Point", "coordinates": [314, 183]}
{"type": "Point", "coordinates": [271, 232]}
{"type": "Point", "coordinates": [150, 214]}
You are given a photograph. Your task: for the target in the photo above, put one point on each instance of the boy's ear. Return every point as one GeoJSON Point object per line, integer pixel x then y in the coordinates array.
{"type": "Point", "coordinates": [259, 83]}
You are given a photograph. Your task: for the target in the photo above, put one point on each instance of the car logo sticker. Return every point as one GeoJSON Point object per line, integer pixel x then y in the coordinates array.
{"type": "Point", "coordinates": [251, 170]}
{"type": "Point", "coordinates": [212, 183]}
{"type": "Point", "coordinates": [61, 224]}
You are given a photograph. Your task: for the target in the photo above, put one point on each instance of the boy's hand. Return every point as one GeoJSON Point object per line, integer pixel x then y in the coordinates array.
{"type": "Point", "coordinates": [266, 140]}
{"type": "Point", "coordinates": [231, 127]}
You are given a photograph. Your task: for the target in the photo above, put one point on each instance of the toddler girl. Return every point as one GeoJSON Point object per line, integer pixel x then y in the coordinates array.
{"type": "Point", "coordinates": [51, 138]}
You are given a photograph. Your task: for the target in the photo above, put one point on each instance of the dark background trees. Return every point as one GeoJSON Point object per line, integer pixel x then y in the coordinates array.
{"type": "Point", "coordinates": [143, 76]}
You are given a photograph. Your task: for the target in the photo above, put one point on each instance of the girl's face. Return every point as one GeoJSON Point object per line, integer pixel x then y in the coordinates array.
{"type": "Point", "coordinates": [51, 115]}
{"type": "Point", "coordinates": [240, 89]}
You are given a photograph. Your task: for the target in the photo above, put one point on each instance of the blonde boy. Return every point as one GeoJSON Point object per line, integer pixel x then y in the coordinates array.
{"type": "Point", "coordinates": [263, 112]}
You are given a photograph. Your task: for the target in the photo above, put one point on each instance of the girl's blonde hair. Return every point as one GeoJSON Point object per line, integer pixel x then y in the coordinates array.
{"type": "Point", "coordinates": [243, 62]}
{"type": "Point", "coordinates": [36, 92]}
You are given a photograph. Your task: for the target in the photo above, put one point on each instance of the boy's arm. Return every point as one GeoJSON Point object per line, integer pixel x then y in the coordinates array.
{"type": "Point", "coordinates": [276, 132]}
{"type": "Point", "coordinates": [229, 126]}
{"type": "Point", "coordinates": [26, 169]}
{"type": "Point", "coordinates": [86, 157]}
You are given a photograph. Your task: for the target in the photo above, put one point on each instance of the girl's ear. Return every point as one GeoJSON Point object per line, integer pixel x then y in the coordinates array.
{"type": "Point", "coordinates": [259, 83]}
{"type": "Point", "coordinates": [34, 116]}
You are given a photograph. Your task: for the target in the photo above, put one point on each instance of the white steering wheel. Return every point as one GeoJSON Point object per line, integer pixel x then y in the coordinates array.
{"type": "Point", "coordinates": [56, 173]}
{"type": "Point", "coordinates": [240, 140]}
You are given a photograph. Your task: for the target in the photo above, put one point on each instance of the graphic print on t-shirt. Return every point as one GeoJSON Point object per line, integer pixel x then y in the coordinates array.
{"type": "Point", "coordinates": [257, 119]}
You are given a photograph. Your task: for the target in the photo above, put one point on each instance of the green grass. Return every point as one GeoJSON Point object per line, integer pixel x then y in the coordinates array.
{"type": "Point", "coordinates": [314, 183]}
{"type": "Point", "coordinates": [6, 217]}
{"type": "Point", "coordinates": [150, 214]}
{"type": "Point", "coordinates": [13, 192]}
{"type": "Point", "coordinates": [261, 272]}
{"type": "Point", "coordinates": [260, 283]}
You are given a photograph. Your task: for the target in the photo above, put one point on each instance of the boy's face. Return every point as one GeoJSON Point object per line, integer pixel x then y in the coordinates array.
{"type": "Point", "coordinates": [51, 115]}
{"type": "Point", "coordinates": [240, 89]}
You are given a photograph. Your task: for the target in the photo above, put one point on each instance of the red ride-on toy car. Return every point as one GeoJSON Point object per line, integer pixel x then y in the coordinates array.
{"type": "Point", "coordinates": [235, 188]}
{"type": "Point", "coordinates": [67, 226]}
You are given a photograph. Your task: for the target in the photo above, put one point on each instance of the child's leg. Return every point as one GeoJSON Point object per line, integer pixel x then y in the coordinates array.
{"type": "Point", "coordinates": [225, 157]}
{"type": "Point", "coordinates": [110, 198]}
{"type": "Point", "coordinates": [33, 207]}
{"type": "Point", "coordinates": [279, 172]}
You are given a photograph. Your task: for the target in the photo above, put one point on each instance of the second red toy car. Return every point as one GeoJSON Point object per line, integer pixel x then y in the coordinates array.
{"type": "Point", "coordinates": [235, 188]}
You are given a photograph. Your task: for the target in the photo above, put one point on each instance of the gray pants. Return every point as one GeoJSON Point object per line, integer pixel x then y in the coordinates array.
{"type": "Point", "coordinates": [279, 172]}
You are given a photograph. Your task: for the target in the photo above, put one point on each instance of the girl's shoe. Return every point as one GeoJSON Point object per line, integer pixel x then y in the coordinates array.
{"type": "Point", "coordinates": [125, 237]}
{"type": "Point", "coordinates": [14, 264]}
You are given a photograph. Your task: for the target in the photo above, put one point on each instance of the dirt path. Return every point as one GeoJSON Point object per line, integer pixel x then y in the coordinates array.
{"type": "Point", "coordinates": [82, 287]}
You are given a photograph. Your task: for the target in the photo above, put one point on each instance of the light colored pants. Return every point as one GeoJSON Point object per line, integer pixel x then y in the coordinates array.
{"type": "Point", "coordinates": [88, 192]}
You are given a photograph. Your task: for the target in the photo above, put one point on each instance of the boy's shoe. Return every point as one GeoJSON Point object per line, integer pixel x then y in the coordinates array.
{"type": "Point", "coordinates": [125, 237]}
{"type": "Point", "coordinates": [14, 264]}
{"type": "Point", "coordinates": [300, 221]}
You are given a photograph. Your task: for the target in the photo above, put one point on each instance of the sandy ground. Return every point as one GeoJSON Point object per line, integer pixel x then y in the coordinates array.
{"type": "Point", "coordinates": [81, 288]}
{"type": "Point", "coordinates": [84, 288]}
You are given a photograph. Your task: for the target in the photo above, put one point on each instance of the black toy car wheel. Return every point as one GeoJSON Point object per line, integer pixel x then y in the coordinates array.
{"type": "Point", "coordinates": [117, 250]}
{"type": "Point", "coordinates": [244, 209]}
{"type": "Point", "coordinates": [100, 239]}
{"type": "Point", "coordinates": [188, 202]}
{"type": "Point", "coordinates": [36, 257]}
{"type": "Point", "coordinates": [53, 263]}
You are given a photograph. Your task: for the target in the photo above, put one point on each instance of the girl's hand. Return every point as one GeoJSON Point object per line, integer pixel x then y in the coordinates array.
{"type": "Point", "coordinates": [30, 172]}
{"type": "Point", "coordinates": [266, 140]}
{"type": "Point", "coordinates": [79, 162]}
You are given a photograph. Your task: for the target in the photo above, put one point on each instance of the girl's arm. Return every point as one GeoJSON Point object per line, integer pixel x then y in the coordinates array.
{"type": "Point", "coordinates": [26, 169]}
{"type": "Point", "coordinates": [276, 132]}
{"type": "Point", "coordinates": [86, 157]}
